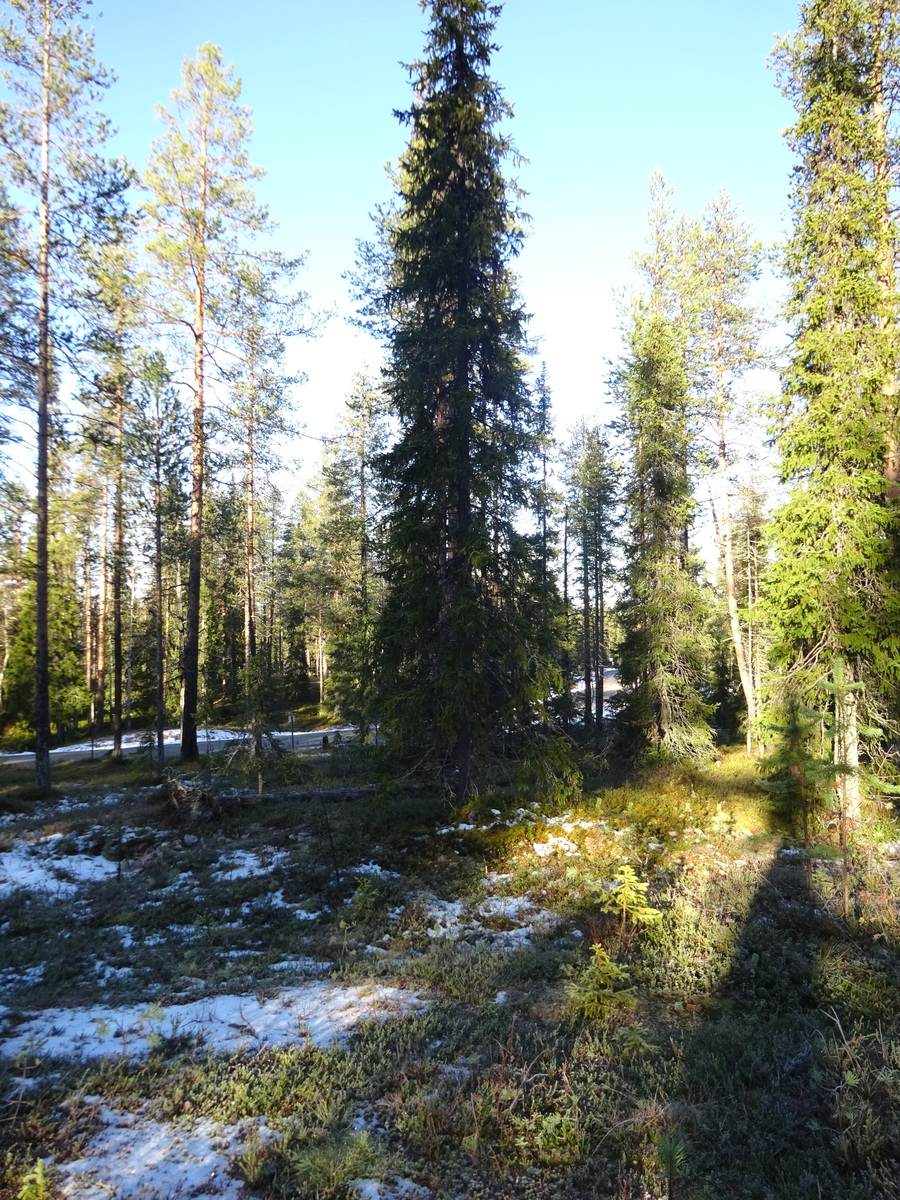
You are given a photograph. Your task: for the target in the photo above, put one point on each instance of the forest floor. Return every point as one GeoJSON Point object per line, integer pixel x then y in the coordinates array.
{"type": "Point", "coordinates": [383, 997]}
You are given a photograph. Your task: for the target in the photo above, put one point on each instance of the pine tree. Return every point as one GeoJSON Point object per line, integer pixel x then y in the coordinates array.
{"type": "Point", "coordinates": [159, 447]}
{"type": "Point", "coordinates": [833, 591]}
{"type": "Point", "coordinates": [201, 209]}
{"type": "Point", "coordinates": [50, 132]}
{"type": "Point", "coordinates": [264, 315]}
{"type": "Point", "coordinates": [460, 660]}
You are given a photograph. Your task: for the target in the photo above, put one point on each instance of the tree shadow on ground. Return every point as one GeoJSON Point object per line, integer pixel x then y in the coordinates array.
{"type": "Point", "coordinates": [790, 1081]}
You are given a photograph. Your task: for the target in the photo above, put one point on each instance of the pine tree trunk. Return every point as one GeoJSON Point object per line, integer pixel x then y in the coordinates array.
{"type": "Point", "coordinates": [363, 580]}
{"type": "Point", "coordinates": [191, 654]}
{"type": "Point", "coordinates": [249, 587]}
{"type": "Point", "coordinates": [102, 599]}
{"type": "Point", "coordinates": [118, 577]}
{"type": "Point", "coordinates": [599, 624]}
{"type": "Point", "coordinates": [567, 666]}
{"type": "Point", "coordinates": [159, 623]}
{"type": "Point", "coordinates": [41, 632]}
{"type": "Point", "coordinates": [586, 626]}
{"type": "Point", "coordinates": [129, 658]}
{"type": "Point", "coordinates": [88, 602]}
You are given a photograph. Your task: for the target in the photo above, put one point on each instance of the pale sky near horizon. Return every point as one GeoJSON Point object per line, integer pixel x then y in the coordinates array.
{"type": "Point", "coordinates": [603, 92]}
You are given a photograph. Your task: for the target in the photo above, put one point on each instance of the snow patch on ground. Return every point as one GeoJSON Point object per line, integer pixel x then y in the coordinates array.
{"type": "Point", "coordinates": [556, 845]}
{"type": "Point", "coordinates": [400, 1189]}
{"type": "Point", "coordinates": [525, 917]}
{"type": "Point", "coordinates": [33, 867]}
{"type": "Point", "coordinates": [137, 1156]}
{"type": "Point", "coordinates": [248, 864]}
{"type": "Point", "coordinates": [374, 870]}
{"type": "Point", "coordinates": [321, 1012]}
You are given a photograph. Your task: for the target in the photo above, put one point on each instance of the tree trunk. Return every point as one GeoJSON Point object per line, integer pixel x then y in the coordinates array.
{"type": "Point", "coordinates": [726, 546]}
{"type": "Point", "coordinates": [88, 602]}
{"type": "Point", "coordinates": [160, 628]}
{"type": "Point", "coordinates": [846, 751]}
{"type": "Point", "coordinates": [363, 579]}
{"type": "Point", "coordinates": [41, 631]}
{"type": "Point", "coordinates": [100, 686]}
{"type": "Point", "coordinates": [129, 658]}
{"type": "Point", "coordinates": [118, 575]}
{"type": "Point", "coordinates": [567, 666]}
{"type": "Point", "coordinates": [599, 623]}
{"type": "Point", "coordinates": [191, 655]}
{"type": "Point", "coordinates": [586, 625]}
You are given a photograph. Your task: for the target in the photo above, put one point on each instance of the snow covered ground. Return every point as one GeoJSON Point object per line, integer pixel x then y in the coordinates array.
{"type": "Point", "coordinates": [317, 1012]}
{"type": "Point", "coordinates": [34, 867]}
{"type": "Point", "coordinates": [202, 909]}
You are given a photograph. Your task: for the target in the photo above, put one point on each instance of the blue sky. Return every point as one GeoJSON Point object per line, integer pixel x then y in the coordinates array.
{"type": "Point", "coordinates": [604, 92]}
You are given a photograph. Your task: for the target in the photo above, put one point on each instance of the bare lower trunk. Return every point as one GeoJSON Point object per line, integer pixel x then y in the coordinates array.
{"type": "Point", "coordinates": [159, 623]}
{"type": "Point", "coordinates": [586, 627]}
{"type": "Point", "coordinates": [129, 658]}
{"type": "Point", "coordinates": [102, 596]}
{"type": "Point", "coordinates": [88, 632]}
{"type": "Point", "coordinates": [599, 625]}
{"type": "Point", "coordinates": [566, 662]}
{"type": "Point", "coordinates": [846, 751]}
{"type": "Point", "coordinates": [118, 578]}
{"type": "Point", "coordinates": [726, 546]}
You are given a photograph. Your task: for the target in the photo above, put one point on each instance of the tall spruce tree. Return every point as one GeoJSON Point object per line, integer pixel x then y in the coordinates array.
{"type": "Point", "coordinates": [462, 652]}
{"type": "Point", "coordinates": [833, 591]}
{"type": "Point", "coordinates": [664, 652]}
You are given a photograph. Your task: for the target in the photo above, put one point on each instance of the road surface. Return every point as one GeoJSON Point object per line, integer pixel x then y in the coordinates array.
{"type": "Point", "coordinates": [219, 739]}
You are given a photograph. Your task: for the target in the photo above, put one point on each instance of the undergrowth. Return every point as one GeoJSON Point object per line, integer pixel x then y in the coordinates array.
{"type": "Point", "coordinates": [687, 1017]}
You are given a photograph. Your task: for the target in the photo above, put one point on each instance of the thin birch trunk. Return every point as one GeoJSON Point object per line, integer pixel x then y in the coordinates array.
{"type": "Point", "coordinates": [726, 546]}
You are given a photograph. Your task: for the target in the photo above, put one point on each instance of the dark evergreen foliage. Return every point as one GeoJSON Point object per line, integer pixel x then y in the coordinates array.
{"type": "Point", "coordinates": [464, 647]}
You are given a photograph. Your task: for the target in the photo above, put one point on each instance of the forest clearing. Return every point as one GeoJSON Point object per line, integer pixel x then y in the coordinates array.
{"type": "Point", "coordinates": [394, 998]}
{"type": "Point", "coordinates": [403, 797]}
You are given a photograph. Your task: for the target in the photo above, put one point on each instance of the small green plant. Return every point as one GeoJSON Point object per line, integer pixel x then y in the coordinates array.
{"type": "Point", "coordinates": [365, 898]}
{"type": "Point", "coordinates": [326, 1168]}
{"type": "Point", "coordinates": [594, 994]}
{"type": "Point", "coordinates": [670, 1151]}
{"type": "Point", "coordinates": [35, 1184]}
{"type": "Point", "coordinates": [629, 899]}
